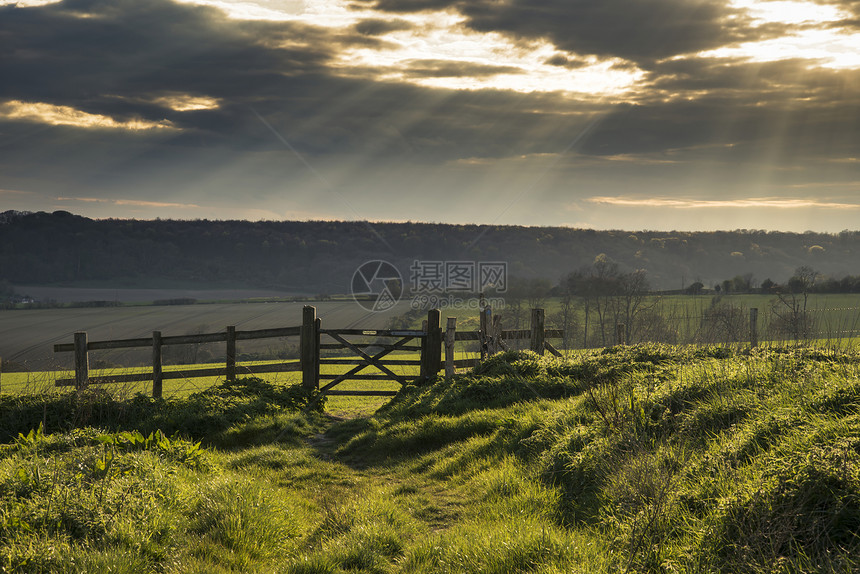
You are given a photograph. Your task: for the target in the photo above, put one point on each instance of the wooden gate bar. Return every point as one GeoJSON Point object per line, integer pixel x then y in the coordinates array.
{"type": "Point", "coordinates": [355, 361]}
{"type": "Point", "coordinates": [372, 360]}
{"type": "Point", "coordinates": [334, 346]}
{"type": "Point", "coordinates": [349, 374]}
{"type": "Point", "coordinates": [363, 393]}
{"type": "Point", "coordinates": [360, 377]}
{"type": "Point", "coordinates": [374, 333]}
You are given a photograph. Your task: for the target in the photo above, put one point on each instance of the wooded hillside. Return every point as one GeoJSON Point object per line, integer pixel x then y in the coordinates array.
{"type": "Point", "coordinates": [321, 256]}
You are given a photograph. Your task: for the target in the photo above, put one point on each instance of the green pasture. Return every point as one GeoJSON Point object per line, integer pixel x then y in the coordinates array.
{"type": "Point", "coordinates": [682, 319]}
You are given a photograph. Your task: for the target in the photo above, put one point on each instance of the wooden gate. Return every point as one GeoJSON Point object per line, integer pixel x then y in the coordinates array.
{"type": "Point", "coordinates": [424, 346]}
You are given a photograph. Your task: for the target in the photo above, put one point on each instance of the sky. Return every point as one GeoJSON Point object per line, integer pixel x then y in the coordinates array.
{"type": "Point", "coordinates": [610, 114]}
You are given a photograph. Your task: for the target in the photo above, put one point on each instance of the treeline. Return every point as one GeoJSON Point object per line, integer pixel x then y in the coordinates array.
{"type": "Point", "coordinates": [804, 280]}
{"type": "Point", "coordinates": [321, 256]}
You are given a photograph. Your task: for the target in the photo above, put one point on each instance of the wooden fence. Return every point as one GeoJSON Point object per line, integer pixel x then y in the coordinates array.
{"type": "Point", "coordinates": [230, 336]}
{"type": "Point", "coordinates": [428, 343]}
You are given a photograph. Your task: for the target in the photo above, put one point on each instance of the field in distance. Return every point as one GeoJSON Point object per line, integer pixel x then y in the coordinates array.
{"type": "Point", "coordinates": [27, 337]}
{"type": "Point", "coordinates": [145, 294]}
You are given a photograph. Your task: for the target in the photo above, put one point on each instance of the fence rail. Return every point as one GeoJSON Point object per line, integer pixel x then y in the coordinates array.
{"type": "Point", "coordinates": [427, 343]}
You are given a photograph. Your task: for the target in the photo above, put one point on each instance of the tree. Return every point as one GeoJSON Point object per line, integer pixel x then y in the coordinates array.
{"type": "Point", "coordinates": [742, 283]}
{"type": "Point", "coordinates": [792, 316]}
{"type": "Point", "coordinates": [615, 297]}
{"type": "Point", "coordinates": [537, 291]}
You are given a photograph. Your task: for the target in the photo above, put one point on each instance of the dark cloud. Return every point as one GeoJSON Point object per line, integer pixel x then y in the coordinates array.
{"type": "Point", "coordinates": [565, 62]}
{"type": "Point", "coordinates": [452, 69]}
{"type": "Point", "coordinates": [377, 27]}
{"type": "Point", "coordinates": [850, 6]}
{"type": "Point", "coordinates": [642, 31]}
{"type": "Point", "coordinates": [125, 52]}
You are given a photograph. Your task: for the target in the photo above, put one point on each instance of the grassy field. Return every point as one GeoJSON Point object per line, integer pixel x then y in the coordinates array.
{"type": "Point", "coordinates": [634, 459]}
{"type": "Point", "coordinates": [682, 319]}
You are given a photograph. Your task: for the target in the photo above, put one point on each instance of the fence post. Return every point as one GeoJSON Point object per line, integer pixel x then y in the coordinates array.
{"type": "Point", "coordinates": [309, 348]}
{"type": "Point", "coordinates": [317, 327]}
{"type": "Point", "coordinates": [497, 334]}
{"type": "Point", "coordinates": [157, 374]}
{"type": "Point", "coordinates": [431, 356]}
{"type": "Point", "coordinates": [538, 334]}
{"type": "Point", "coordinates": [82, 360]}
{"type": "Point", "coordinates": [231, 353]}
{"type": "Point", "coordinates": [485, 323]}
{"type": "Point", "coordinates": [753, 327]}
{"type": "Point", "coordinates": [450, 334]}
{"type": "Point", "coordinates": [620, 334]}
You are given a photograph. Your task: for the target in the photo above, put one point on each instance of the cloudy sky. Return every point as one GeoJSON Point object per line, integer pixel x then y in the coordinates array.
{"type": "Point", "coordinates": [611, 114]}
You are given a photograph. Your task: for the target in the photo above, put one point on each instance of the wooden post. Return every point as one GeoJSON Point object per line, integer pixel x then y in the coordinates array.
{"type": "Point", "coordinates": [450, 333]}
{"type": "Point", "coordinates": [422, 370]}
{"type": "Point", "coordinates": [753, 327]}
{"type": "Point", "coordinates": [157, 375]}
{"type": "Point", "coordinates": [620, 333]}
{"type": "Point", "coordinates": [497, 334]}
{"type": "Point", "coordinates": [317, 327]}
{"type": "Point", "coordinates": [538, 332]}
{"type": "Point", "coordinates": [487, 343]}
{"type": "Point", "coordinates": [1, 375]}
{"type": "Point", "coordinates": [431, 356]}
{"type": "Point", "coordinates": [309, 349]}
{"type": "Point", "coordinates": [82, 360]}
{"type": "Point", "coordinates": [231, 353]}
{"type": "Point", "coordinates": [483, 330]}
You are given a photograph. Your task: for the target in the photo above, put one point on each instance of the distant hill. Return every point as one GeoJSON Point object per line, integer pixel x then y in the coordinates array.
{"type": "Point", "coordinates": [321, 256]}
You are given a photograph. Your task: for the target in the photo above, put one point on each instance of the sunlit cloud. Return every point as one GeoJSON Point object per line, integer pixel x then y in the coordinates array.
{"type": "Point", "coordinates": [790, 11]}
{"type": "Point", "coordinates": [811, 34]}
{"type": "Point", "coordinates": [325, 13]}
{"type": "Point", "coordinates": [836, 49]}
{"type": "Point", "coordinates": [761, 202]}
{"type": "Point", "coordinates": [14, 192]}
{"type": "Point", "coordinates": [67, 116]}
{"type": "Point", "coordinates": [130, 202]}
{"type": "Point", "coordinates": [28, 3]}
{"type": "Point", "coordinates": [443, 37]}
{"type": "Point", "coordinates": [187, 102]}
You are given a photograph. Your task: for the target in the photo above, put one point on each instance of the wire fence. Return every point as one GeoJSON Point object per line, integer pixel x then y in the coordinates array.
{"type": "Point", "coordinates": [781, 321]}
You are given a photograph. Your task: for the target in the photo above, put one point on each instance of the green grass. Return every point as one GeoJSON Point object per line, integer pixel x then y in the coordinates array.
{"type": "Point", "coordinates": [43, 382]}
{"type": "Point", "coordinates": [629, 459]}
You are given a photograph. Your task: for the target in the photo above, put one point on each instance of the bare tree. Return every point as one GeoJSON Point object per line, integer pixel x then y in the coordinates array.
{"type": "Point", "coordinates": [793, 318]}
{"type": "Point", "coordinates": [614, 297]}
